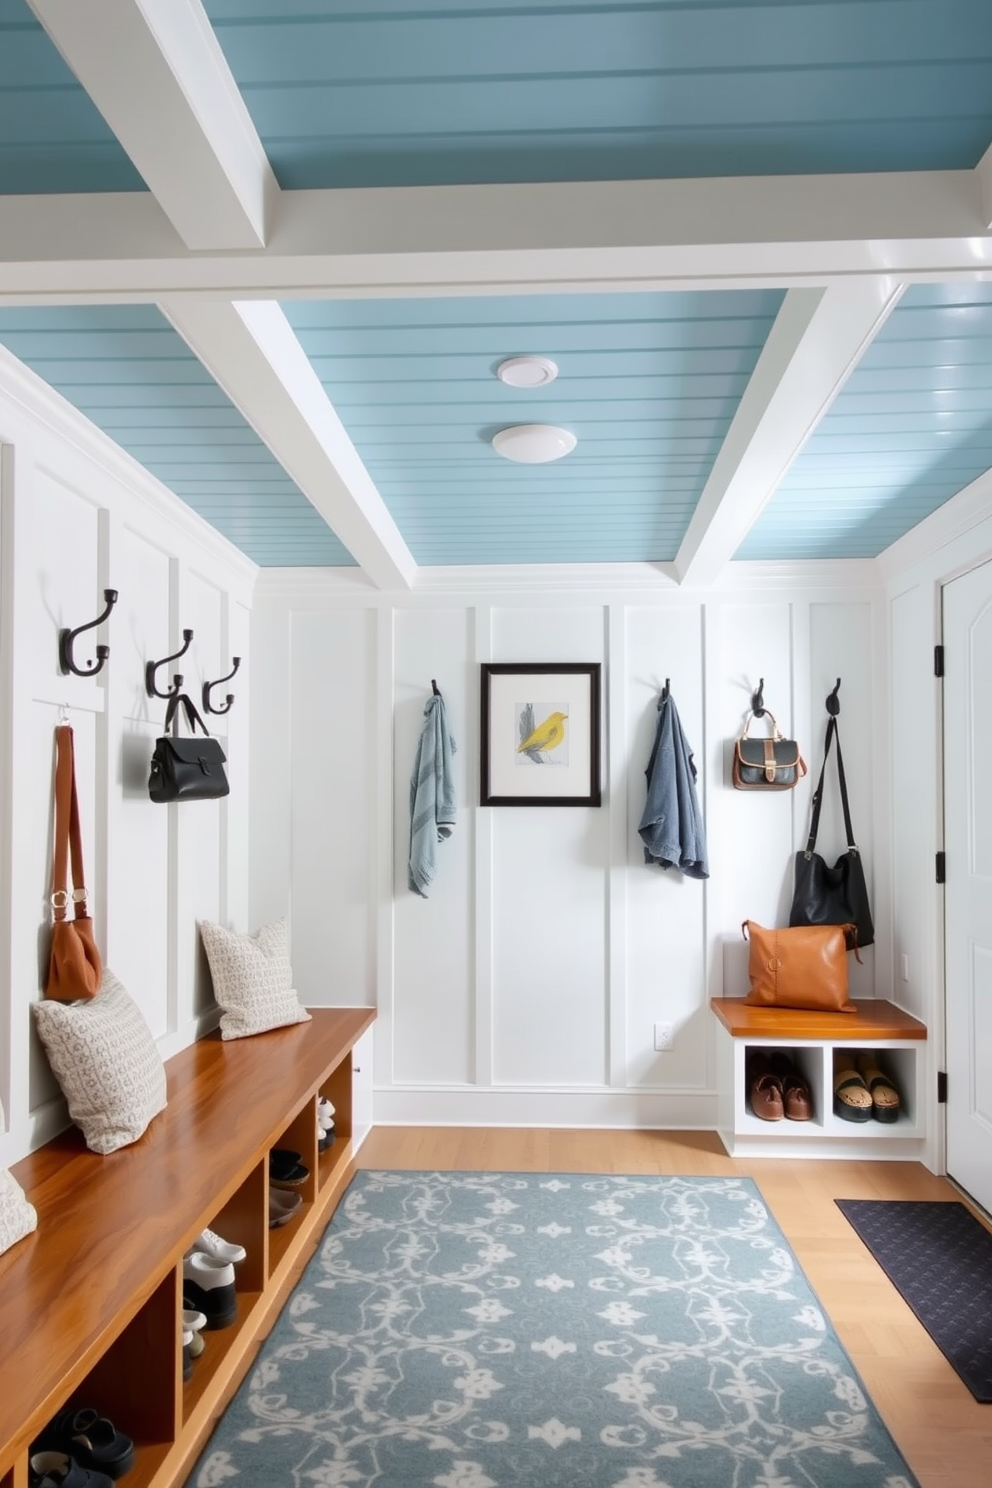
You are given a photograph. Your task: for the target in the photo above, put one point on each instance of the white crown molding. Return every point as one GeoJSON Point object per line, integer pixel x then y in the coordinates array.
{"type": "Point", "coordinates": [53, 415]}
{"type": "Point", "coordinates": [613, 583]}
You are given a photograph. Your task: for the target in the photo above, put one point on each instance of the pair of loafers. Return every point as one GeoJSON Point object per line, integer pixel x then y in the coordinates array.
{"type": "Point", "coordinates": [777, 1088]}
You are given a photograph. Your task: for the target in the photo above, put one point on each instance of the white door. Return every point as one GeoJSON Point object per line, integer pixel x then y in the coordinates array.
{"type": "Point", "coordinates": [967, 632]}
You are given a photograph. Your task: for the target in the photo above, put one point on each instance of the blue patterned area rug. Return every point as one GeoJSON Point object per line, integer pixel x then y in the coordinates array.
{"type": "Point", "coordinates": [939, 1256]}
{"type": "Point", "coordinates": [530, 1330]}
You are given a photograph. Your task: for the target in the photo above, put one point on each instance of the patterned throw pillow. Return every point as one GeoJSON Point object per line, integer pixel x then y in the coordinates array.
{"type": "Point", "coordinates": [104, 1057]}
{"type": "Point", "coordinates": [17, 1217]}
{"type": "Point", "coordinates": [252, 977]}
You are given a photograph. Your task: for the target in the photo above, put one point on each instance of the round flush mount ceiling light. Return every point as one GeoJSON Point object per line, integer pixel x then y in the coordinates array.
{"type": "Point", "coordinates": [527, 371]}
{"type": "Point", "coordinates": [534, 444]}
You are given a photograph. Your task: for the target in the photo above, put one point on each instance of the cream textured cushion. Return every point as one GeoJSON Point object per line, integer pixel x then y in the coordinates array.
{"type": "Point", "coordinates": [105, 1058]}
{"type": "Point", "coordinates": [17, 1217]}
{"type": "Point", "coordinates": [252, 977]}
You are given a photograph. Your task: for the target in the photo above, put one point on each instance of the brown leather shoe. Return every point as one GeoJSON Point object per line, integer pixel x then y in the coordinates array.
{"type": "Point", "coordinates": [796, 1096]}
{"type": "Point", "coordinates": [764, 1089]}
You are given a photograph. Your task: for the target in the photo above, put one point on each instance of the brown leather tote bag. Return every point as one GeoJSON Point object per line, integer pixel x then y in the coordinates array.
{"type": "Point", "coordinates": [802, 967]}
{"type": "Point", "coordinates": [75, 967]}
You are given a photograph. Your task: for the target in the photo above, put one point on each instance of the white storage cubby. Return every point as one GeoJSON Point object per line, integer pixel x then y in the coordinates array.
{"type": "Point", "coordinates": [897, 1040]}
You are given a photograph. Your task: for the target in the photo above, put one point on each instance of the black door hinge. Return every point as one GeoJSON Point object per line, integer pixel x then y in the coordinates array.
{"type": "Point", "coordinates": [941, 867]}
{"type": "Point", "coordinates": [938, 661]}
{"type": "Point", "coordinates": [942, 1087]}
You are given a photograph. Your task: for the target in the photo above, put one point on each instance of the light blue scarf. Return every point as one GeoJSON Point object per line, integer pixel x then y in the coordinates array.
{"type": "Point", "coordinates": [432, 795]}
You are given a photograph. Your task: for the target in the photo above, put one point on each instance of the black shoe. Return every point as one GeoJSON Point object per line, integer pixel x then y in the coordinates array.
{"type": "Point", "coordinates": [90, 1440]}
{"type": "Point", "coordinates": [59, 1470]}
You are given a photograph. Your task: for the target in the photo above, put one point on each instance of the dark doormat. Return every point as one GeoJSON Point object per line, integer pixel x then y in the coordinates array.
{"type": "Point", "coordinates": [940, 1258]}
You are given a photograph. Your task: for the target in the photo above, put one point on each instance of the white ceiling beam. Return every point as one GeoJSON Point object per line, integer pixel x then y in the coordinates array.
{"type": "Point", "coordinates": [817, 338]}
{"type": "Point", "coordinates": [155, 71]}
{"type": "Point", "coordinates": [501, 239]}
{"type": "Point", "coordinates": [254, 355]}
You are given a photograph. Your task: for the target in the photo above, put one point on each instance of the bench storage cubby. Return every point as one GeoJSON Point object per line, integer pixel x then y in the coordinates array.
{"type": "Point", "coordinates": [91, 1304]}
{"type": "Point", "coordinates": [814, 1041]}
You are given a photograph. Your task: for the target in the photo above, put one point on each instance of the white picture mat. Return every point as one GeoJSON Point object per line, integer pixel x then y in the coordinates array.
{"type": "Point", "coordinates": [507, 693]}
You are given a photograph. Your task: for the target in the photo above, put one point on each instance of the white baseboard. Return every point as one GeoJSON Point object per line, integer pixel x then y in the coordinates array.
{"type": "Point", "coordinates": [622, 1109]}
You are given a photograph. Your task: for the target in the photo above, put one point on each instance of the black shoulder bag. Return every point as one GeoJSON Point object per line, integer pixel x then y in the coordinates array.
{"type": "Point", "coordinates": [186, 769]}
{"type": "Point", "coordinates": [837, 895]}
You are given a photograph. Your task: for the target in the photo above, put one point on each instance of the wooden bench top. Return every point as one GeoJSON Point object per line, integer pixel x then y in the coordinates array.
{"type": "Point", "coordinates": [110, 1228]}
{"type": "Point", "coordinates": [873, 1021]}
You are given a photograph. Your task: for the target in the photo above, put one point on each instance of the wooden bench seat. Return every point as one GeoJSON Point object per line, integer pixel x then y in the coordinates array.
{"type": "Point", "coordinates": [873, 1021]}
{"type": "Point", "coordinates": [90, 1305]}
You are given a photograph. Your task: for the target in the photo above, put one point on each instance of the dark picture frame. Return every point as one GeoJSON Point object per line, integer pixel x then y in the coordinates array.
{"type": "Point", "coordinates": [540, 733]}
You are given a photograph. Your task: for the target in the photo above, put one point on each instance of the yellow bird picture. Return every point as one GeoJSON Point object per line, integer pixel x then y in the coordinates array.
{"type": "Point", "coordinates": [546, 736]}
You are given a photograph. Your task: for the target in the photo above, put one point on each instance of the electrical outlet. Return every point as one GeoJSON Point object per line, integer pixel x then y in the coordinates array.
{"type": "Point", "coordinates": [664, 1034]}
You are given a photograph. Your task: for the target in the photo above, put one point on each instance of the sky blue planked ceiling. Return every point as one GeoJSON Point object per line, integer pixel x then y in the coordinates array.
{"type": "Point", "coordinates": [379, 92]}
{"type": "Point", "coordinates": [398, 92]}
{"type": "Point", "coordinates": [911, 427]}
{"type": "Point", "coordinates": [52, 137]}
{"type": "Point", "coordinates": [135, 378]}
{"type": "Point", "coordinates": [648, 382]}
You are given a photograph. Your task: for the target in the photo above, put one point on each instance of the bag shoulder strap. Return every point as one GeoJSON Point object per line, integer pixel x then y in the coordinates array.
{"type": "Point", "coordinates": [68, 838]}
{"type": "Point", "coordinates": [177, 701]}
{"type": "Point", "coordinates": [814, 826]}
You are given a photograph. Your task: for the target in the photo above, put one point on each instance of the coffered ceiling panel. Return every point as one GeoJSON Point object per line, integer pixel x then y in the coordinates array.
{"type": "Point", "coordinates": [387, 93]}
{"type": "Point", "coordinates": [278, 253]}
{"type": "Point", "coordinates": [911, 427]}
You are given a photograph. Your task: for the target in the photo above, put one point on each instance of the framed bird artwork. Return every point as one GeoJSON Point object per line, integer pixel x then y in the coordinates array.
{"type": "Point", "coordinates": [540, 733]}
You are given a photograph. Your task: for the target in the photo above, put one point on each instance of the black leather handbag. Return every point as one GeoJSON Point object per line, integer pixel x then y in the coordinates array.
{"type": "Point", "coordinates": [187, 769]}
{"type": "Point", "coordinates": [837, 895]}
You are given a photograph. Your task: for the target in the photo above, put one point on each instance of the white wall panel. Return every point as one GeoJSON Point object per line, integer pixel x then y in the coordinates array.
{"type": "Point", "coordinates": [433, 1027]}
{"type": "Point", "coordinates": [332, 915]}
{"type": "Point", "coordinates": [201, 826]}
{"type": "Point", "coordinates": [63, 561]}
{"type": "Point", "coordinates": [913, 774]}
{"type": "Point", "coordinates": [665, 932]}
{"type": "Point", "coordinates": [559, 632]}
{"type": "Point", "coordinates": [840, 645]}
{"type": "Point", "coordinates": [550, 1004]}
{"type": "Point", "coordinates": [138, 867]}
{"type": "Point", "coordinates": [72, 526]}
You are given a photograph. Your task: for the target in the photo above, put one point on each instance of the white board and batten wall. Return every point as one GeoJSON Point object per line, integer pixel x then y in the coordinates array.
{"type": "Point", "coordinates": [525, 988]}
{"type": "Point", "coordinates": [78, 516]}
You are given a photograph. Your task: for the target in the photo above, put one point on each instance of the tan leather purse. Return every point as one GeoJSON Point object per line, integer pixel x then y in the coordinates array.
{"type": "Point", "coordinates": [75, 967]}
{"type": "Point", "coordinates": [804, 967]}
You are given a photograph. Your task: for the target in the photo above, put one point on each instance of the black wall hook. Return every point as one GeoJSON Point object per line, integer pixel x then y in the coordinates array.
{"type": "Point", "coordinates": [207, 705]}
{"type": "Point", "coordinates": [67, 639]}
{"type": "Point", "coordinates": [833, 701]}
{"type": "Point", "coordinates": [434, 688]}
{"type": "Point", "coordinates": [151, 667]}
{"type": "Point", "coordinates": [758, 699]}
{"type": "Point", "coordinates": [665, 692]}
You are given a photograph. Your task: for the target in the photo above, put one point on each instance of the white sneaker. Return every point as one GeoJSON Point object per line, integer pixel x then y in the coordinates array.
{"type": "Point", "coordinates": [325, 1114]}
{"type": "Point", "coordinates": [208, 1242]}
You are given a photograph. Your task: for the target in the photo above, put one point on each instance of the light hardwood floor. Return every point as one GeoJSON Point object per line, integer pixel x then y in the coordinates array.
{"type": "Point", "coordinates": [944, 1434]}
